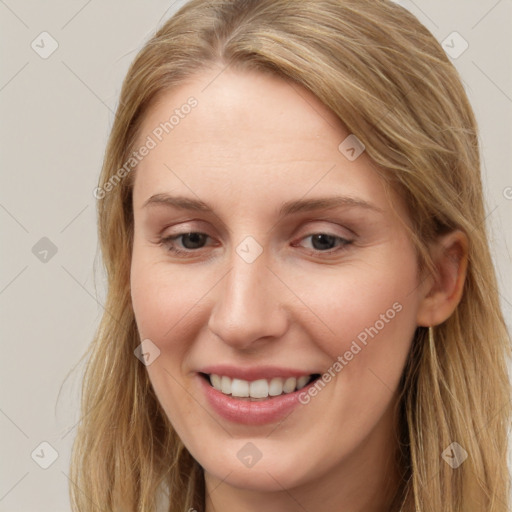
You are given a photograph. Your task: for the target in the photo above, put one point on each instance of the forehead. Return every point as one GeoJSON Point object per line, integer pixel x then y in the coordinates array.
{"type": "Point", "coordinates": [249, 133]}
{"type": "Point", "coordinates": [235, 103]}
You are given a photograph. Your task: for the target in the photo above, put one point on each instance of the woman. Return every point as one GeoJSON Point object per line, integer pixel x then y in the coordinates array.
{"type": "Point", "coordinates": [302, 311]}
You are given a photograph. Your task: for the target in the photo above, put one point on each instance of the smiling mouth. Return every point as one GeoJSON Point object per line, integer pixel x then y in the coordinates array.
{"type": "Point", "coordinates": [257, 390]}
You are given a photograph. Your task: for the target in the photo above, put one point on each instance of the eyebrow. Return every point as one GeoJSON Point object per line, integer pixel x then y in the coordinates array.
{"type": "Point", "coordinates": [288, 208]}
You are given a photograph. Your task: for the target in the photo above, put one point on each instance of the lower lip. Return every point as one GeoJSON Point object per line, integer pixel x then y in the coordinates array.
{"type": "Point", "coordinates": [246, 412]}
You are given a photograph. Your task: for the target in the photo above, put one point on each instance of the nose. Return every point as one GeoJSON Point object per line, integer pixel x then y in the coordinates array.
{"type": "Point", "coordinates": [248, 309]}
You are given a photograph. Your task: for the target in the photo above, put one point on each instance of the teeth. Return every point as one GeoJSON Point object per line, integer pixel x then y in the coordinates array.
{"type": "Point", "coordinates": [261, 388]}
{"type": "Point", "coordinates": [302, 381]}
{"type": "Point", "coordinates": [276, 387]}
{"type": "Point", "coordinates": [258, 389]}
{"type": "Point", "coordinates": [290, 384]}
{"type": "Point", "coordinates": [225, 385]}
{"type": "Point", "coordinates": [216, 382]}
{"type": "Point", "coordinates": [239, 387]}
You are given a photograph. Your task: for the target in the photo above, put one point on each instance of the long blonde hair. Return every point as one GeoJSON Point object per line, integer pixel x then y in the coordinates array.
{"type": "Point", "coordinates": [388, 80]}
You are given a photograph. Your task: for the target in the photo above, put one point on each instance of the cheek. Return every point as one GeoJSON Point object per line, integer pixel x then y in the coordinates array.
{"type": "Point", "coordinates": [163, 302]}
{"type": "Point", "coordinates": [368, 315]}
{"type": "Point", "coordinates": [163, 298]}
{"type": "Point", "coordinates": [167, 306]}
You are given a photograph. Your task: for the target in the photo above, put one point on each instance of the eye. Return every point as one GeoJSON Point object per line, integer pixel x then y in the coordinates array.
{"type": "Point", "coordinates": [327, 243]}
{"type": "Point", "coordinates": [190, 242]}
{"type": "Point", "coordinates": [193, 241]}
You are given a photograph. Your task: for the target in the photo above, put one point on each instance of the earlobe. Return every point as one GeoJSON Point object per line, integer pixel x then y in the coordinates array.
{"type": "Point", "coordinates": [443, 291]}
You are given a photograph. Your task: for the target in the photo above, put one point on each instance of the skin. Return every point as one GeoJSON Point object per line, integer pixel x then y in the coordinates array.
{"type": "Point", "coordinates": [253, 143]}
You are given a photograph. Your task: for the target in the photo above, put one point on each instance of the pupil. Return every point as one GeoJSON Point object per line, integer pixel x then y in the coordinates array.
{"type": "Point", "coordinates": [325, 241]}
{"type": "Point", "coordinates": [196, 239]}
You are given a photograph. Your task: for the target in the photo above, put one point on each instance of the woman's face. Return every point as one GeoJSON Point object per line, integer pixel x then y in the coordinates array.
{"type": "Point", "coordinates": [293, 262]}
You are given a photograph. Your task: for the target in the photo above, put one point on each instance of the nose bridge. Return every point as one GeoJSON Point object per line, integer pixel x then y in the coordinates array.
{"type": "Point", "coordinates": [248, 302]}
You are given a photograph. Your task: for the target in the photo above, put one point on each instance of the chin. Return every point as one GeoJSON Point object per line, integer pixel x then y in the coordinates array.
{"type": "Point", "coordinates": [264, 479]}
{"type": "Point", "coordinates": [270, 474]}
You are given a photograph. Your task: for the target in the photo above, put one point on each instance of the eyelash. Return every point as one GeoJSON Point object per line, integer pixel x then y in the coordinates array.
{"type": "Point", "coordinates": [169, 240]}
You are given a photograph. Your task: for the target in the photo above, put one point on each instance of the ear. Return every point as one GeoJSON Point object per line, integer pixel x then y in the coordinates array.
{"type": "Point", "coordinates": [442, 291]}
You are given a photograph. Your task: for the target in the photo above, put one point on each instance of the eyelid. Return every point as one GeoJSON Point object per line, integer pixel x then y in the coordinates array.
{"type": "Point", "coordinates": [334, 229]}
{"type": "Point", "coordinates": [195, 222]}
{"type": "Point", "coordinates": [185, 226]}
{"type": "Point", "coordinates": [184, 229]}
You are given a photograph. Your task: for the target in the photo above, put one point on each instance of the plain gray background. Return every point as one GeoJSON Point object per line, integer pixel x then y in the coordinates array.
{"type": "Point", "coordinates": [56, 113]}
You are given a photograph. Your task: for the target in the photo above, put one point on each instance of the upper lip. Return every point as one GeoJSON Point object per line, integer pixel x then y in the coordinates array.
{"type": "Point", "coordinates": [254, 372]}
